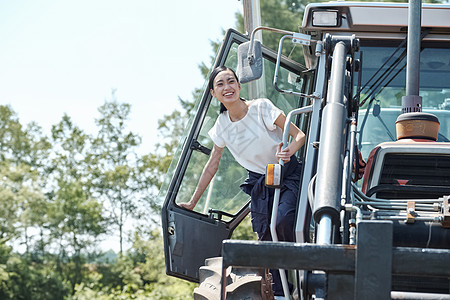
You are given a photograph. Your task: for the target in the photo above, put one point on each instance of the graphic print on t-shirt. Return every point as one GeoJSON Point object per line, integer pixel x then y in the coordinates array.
{"type": "Point", "coordinates": [239, 137]}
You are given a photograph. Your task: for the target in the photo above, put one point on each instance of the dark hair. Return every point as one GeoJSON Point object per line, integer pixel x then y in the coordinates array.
{"type": "Point", "coordinates": [213, 75]}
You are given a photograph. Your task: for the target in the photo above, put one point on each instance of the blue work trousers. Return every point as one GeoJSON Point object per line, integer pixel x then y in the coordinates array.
{"type": "Point", "coordinates": [261, 208]}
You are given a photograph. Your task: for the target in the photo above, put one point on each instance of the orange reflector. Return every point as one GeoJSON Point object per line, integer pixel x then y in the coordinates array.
{"type": "Point", "coordinates": [402, 181]}
{"type": "Point", "coordinates": [273, 175]}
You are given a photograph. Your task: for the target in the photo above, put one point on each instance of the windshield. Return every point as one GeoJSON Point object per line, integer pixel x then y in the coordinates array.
{"type": "Point", "coordinates": [383, 86]}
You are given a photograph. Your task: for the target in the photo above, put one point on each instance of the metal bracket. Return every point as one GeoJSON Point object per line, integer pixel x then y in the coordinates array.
{"type": "Point", "coordinates": [300, 38]}
{"type": "Point", "coordinates": [410, 212]}
{"type": "Point", "coordinates": [373, 267]}
{"type": "Point", "coordinates": [446, 212]}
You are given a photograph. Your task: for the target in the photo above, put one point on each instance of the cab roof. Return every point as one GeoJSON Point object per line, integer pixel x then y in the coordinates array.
{"type": "Point", "coordinates": [377, 17]}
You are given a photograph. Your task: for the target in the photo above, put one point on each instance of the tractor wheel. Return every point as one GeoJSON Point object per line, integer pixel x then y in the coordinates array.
{"type": "Point", "coordinates": [242, 283]}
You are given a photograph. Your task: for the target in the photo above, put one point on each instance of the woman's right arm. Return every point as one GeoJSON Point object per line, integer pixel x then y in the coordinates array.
{"type": "Point", "coordinates": [208, 173]}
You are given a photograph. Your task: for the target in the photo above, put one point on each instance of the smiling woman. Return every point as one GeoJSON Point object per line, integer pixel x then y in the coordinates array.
{"type": "Point", "coordinates": [252, 132]}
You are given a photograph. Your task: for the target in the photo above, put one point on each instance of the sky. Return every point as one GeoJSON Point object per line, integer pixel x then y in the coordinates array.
{"type": "Point", "coordinates": [67, 57]}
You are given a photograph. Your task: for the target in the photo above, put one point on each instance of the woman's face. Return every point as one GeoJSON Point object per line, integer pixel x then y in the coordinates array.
{"type": "Point", "coordinates": [226, 88]}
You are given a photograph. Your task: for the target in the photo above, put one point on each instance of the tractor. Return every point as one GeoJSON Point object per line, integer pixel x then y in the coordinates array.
{"type": "Point", "coordinates": [374, 82]}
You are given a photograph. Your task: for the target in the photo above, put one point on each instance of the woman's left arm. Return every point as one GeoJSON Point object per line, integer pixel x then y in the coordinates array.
{"type": "Point", "coordinates": [298, 139]}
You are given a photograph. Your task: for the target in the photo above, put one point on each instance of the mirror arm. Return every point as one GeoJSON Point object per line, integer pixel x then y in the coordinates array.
{"type": "Point", "coordinates": [277, 67]}
{"type": "Point", "coordinates": [251, 55]}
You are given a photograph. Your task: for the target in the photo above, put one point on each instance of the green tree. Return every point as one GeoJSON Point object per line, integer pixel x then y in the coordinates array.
{"type": "Point", "coordinates": [22, 160]}
{"type": "Point", "coordinates": [21, 280]}
{"type": "Point", "coordinates": [34, 162]}
{"type": "Point", "coordinates": [117, 176]}
{"type": "Point", "coordinates": [75, 217]}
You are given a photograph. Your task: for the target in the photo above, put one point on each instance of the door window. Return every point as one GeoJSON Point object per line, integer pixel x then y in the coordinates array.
{"type": "Point", "coordinates": [224, 193]}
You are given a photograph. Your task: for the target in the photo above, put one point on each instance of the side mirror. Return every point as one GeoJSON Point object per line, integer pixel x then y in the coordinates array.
{"type": "Point", "coordinates": [250, 61]}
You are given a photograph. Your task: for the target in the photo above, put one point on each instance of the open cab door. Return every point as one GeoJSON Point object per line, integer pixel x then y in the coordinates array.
{"type": "Point", "coordinates": [192, 236]}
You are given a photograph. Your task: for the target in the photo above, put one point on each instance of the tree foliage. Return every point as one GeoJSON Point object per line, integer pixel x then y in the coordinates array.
{"type": "Point", "coordinates": [59, 196]}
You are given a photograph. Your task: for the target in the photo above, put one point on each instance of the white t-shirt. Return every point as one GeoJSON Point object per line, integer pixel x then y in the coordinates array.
{"type": "Point", "coordinates": [253, 140]}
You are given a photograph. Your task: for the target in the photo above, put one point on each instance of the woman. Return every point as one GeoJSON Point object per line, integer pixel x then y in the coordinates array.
{"type": "Point", "coordinates": [252, 131]}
